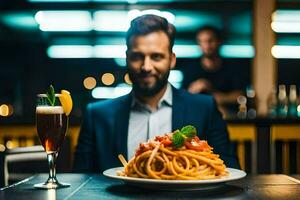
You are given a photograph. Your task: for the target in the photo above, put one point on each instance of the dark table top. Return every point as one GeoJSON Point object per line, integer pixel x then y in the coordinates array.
{"type": "Point", "coordinates": [94, 186]}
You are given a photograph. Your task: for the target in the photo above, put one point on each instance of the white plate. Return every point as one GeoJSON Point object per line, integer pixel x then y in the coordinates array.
{"type": "Point", "coordinates": [234, 174]}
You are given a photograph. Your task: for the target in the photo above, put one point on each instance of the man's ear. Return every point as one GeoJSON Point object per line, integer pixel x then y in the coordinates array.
{"type": "Point", "coordinates": [173, 60]}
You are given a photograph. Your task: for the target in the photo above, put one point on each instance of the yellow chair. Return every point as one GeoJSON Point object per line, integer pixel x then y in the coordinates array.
{"type": "Point", "coordinates": [285, 134]}
{"type": "Point", "coordinates": [241, 134]}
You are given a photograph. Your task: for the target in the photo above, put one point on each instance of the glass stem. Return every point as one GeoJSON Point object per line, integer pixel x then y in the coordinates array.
{"type": "Point", "coordinates": [52, 165]}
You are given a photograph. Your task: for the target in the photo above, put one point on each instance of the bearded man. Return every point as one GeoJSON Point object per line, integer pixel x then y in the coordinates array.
{"type": "Point", "coordinates": [153, 107]}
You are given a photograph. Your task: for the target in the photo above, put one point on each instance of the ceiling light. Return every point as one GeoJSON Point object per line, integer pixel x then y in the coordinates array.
{"type": "Point", "coordinates": [111, 92]}
{"type": "Point", "coordinates": [281, 51]}
{"type": "Point", "coordinates": [64, 20]}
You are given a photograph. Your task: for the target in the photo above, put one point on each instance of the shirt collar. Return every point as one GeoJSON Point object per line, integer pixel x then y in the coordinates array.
{"type": "Point", "coordinates": [166, 99]}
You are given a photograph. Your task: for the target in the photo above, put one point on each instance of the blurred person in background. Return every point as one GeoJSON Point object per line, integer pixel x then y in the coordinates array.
{"type": "Point", "coordinates": [154, 107]}
{"type": "Point", "coordinates": [212, 74]}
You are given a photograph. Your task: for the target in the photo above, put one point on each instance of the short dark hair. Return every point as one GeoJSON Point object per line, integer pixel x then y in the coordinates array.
{"type": "Point", "coordinates": [149, 23]}
{"type": "Point", "coordinates": [216, 31]}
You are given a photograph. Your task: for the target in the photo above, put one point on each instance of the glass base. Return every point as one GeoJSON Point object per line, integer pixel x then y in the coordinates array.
{"type": "Point", "coordinates": [52, 184]}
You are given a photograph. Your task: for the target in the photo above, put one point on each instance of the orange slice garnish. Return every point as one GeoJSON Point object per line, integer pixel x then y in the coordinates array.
{"type": "Point", "coordinates": [66, 101]}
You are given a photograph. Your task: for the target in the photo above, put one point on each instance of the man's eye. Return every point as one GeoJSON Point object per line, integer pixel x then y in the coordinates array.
{"type": "Point", "coordinates": [156, 56]}
{"type": "Point", "coordinates": [136, 56]}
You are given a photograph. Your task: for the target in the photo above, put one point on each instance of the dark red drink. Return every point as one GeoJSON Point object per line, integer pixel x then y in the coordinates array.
{"type": "Point", "coordinates": [52, 125]}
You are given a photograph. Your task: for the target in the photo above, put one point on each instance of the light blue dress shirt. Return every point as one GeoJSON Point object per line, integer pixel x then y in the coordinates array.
{"type": "Point", "coordinates": [146, 123]}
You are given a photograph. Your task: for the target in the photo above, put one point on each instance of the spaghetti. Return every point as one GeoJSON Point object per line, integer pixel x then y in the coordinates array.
{"type": "Point", "coordinates": [159, 159]}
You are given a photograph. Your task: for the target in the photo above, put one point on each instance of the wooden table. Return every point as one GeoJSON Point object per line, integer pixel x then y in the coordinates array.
{"type": "Point", "coordinates": [95, 186]}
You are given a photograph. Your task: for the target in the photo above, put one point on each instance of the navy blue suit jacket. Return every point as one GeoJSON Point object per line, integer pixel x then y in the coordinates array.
{"type": "Point", "coordinates": [104, 130]}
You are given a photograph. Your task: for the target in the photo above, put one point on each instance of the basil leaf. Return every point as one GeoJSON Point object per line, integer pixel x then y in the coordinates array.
{"type": "Point", "coordinates": [189, 131]}
{"type": "Point", "coordinates": [177, 139]}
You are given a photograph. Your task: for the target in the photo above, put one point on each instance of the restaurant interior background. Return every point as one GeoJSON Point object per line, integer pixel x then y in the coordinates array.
{"type": "Point", "coordinates": [79, 45]}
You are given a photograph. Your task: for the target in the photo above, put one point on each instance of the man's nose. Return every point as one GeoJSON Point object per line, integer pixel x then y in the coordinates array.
{"type": "Point", "coordinates": [147, 65]}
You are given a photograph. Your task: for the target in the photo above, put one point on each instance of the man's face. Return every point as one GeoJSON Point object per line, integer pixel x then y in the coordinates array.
{"type": "Point", "coordinates": [149, 61]}
{"type": "Point", "coordinates": [208, 43]}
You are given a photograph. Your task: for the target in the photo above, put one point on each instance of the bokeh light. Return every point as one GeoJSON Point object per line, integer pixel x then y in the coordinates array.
{"type": "Point", "coordinates": [108, 79]}
{"type": "Point", "coordinates": [89, 82]}
{"type": "Point", "coordinates": [127, 79]}
{"type": "Point", "coordinates": [4, 110]}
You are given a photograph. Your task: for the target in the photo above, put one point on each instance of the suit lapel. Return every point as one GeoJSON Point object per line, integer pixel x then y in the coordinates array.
{"type": "Point", "coordinates": [178, 111]}
{"type": "Point", "coordinates": [121, 124]}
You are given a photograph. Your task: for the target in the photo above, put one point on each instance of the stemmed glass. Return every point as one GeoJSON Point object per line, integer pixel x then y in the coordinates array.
{"type": "Point", "coordinates": [52, 124]}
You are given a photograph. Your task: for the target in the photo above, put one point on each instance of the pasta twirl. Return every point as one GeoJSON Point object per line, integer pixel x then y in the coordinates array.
{"type": "Point", "coordinates": [158, 159]}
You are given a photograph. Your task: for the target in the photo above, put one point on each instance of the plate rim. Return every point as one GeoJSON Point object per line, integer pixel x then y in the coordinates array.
{"type": "Point", "coordinates": [241, 174]}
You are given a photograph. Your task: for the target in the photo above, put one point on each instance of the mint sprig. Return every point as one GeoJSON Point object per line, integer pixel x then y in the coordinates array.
{"type": "Point", "coordinates": [180, 136]}
{"type": "Point", "coordinates": [51, 95]}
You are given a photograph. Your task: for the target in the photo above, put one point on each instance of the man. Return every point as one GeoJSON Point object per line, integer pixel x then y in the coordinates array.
{"type": "Point", "coordinates": [213, 75]}
{"type": "Point", "coordinates": [153, 107]}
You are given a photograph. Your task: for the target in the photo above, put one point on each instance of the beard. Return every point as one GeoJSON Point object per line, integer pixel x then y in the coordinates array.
{"type": "Point", "coordinates": [210, 55]}
{"type": "Point", "coordinates": [146, 89]}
